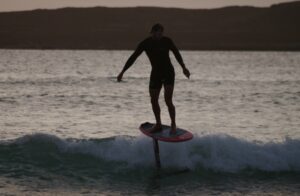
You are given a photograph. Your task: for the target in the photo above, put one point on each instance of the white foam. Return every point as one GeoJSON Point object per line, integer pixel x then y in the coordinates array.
{"type": "Point", "coordinates": [217, 152]}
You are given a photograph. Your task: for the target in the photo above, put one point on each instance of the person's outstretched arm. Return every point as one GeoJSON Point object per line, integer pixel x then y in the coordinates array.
{"type": "Point", "coordinates": [131, 60]}
{"type": "Point", "coordinates": [178, 57]}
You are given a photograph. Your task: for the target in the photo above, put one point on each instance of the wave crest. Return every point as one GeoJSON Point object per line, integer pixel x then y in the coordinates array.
{"type": "Point", "coordinates": [221, 153]}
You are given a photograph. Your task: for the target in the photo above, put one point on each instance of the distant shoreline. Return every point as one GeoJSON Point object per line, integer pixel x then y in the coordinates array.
{"type": "Point", "coordinates": [275, 28]}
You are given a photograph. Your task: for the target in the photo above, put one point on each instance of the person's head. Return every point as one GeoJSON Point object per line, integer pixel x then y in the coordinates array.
{"type": "Point", "coordinates": [157, 31]}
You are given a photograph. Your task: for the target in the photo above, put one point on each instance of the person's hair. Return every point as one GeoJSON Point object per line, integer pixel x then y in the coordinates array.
{"type": "Point", "coordinates": [157, 27]}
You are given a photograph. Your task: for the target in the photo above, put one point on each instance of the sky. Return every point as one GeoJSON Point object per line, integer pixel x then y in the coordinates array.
{"type": "Point", "coordinates": [15, 5]}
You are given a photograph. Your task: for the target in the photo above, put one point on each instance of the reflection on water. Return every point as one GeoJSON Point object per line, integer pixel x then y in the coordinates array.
{"type": "Point", "coordinates": [243, 108]}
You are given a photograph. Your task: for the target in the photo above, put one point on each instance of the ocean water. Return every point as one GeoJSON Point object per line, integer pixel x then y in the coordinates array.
{"type": "Point", "coordinates": [68, 128]}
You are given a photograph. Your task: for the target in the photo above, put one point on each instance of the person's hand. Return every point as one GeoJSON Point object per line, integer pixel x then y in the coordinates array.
{"type": "Point", "coordinates": [186, 72]}
{"type": "Point", "coordinates": [119, 78]}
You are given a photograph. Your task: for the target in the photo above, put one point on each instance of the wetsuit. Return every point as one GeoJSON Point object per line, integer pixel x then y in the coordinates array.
{"type": "Point", "coordinates": [162, 72]}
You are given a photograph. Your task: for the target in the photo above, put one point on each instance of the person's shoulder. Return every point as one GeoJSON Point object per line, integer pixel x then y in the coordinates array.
{"type": "Point", "coordinates": [168, 40]}
{"type": "Point", "coordinates": [145, 41]}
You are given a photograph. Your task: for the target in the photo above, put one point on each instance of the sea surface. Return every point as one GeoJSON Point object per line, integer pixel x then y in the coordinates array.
{"type": "Point", "coordinates": [68, 128]}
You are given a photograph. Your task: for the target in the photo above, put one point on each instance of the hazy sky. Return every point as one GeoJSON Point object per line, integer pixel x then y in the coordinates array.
{"type": "Point", "coordinates": [11, 5]}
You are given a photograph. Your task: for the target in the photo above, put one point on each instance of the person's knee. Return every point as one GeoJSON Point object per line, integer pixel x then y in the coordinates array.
{"type": "Point", "coordinates": [169, 102]}
{"type": "Point", "coordinates": [154, 100]}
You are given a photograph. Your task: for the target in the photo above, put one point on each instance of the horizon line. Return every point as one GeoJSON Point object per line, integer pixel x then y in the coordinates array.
{"type": "Point", "coordinates": [126, 7]}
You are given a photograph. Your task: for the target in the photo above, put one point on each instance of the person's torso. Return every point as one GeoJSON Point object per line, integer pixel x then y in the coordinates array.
{"type": "Point", "coordinates": [158, 53]}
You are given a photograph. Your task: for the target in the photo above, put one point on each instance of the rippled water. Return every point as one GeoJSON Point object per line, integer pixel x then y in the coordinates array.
{"type": "Point", "coordinates": [68, 127]}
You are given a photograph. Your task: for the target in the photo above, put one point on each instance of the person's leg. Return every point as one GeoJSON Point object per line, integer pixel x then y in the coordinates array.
{"type": "Point", "coordinates": [169, 101]}
{"type": "Point", "coordinates": [154, 95]}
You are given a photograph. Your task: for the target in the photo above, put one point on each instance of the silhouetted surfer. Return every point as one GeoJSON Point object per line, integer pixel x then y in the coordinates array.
{"type": "Point", "coordinates": [157, 48]}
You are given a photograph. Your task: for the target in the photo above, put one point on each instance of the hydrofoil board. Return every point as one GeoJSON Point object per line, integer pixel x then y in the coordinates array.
{"type": "Point", "coordinates": [181, 135]}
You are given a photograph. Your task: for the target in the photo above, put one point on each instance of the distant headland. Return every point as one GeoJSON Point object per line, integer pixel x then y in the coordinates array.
{"type": "Point", "coordinates": [230, 28]}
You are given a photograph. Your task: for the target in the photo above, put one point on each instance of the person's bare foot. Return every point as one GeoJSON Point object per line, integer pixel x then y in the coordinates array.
{"type": "Point", "coordinates": [155, 128]}
{"type": "Point", "coordinates": [173, 129]}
